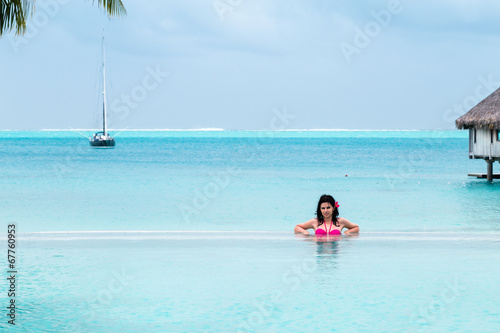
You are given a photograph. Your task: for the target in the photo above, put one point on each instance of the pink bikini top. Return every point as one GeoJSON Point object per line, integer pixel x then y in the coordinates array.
{"type": "Point", "coordinates": [331, 232]}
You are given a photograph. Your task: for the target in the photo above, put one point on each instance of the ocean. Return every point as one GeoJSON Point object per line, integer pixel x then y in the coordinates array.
{"type": "Point", "coordinates": [192, 231]}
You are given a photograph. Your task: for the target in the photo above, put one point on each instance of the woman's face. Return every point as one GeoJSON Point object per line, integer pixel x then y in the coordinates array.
{"type": "Point", "coordinates": [326, 209]}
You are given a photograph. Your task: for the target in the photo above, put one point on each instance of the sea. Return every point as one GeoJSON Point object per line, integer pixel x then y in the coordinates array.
{"type": "Point", "coordinates": [192, 231]}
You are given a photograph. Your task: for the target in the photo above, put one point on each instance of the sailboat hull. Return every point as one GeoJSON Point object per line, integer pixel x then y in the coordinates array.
{"type": "Point", "coordinates": [102, 143]}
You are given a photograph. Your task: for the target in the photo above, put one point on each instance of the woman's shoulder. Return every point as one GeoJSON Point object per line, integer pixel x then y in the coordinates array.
{"type": "Point", "coordinates": [313, 221]}
{"type": "Point", "coordinates": [341, 220]}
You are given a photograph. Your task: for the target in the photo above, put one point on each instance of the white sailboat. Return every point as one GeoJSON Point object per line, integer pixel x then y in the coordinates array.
{"type": "Point", "coordinates": [103, 139]}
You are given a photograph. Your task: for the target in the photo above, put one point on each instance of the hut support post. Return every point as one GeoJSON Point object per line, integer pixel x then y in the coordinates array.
{"type": "Point", "coordinates": [489, 175]}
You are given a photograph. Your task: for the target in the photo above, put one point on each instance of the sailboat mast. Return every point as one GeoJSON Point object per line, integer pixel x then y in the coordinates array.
{"type": "Point", "coordinates": [103, 90]}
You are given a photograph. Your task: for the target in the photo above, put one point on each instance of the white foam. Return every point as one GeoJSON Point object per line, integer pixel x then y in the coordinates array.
{"type": "Point", "coordinates": [137, 235]}
{"type": "Point", "coordinates": [131, 129]}
{"type": "Point", "coordinates": [236, 130]}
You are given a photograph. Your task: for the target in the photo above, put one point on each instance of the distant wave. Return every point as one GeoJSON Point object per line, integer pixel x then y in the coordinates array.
{"type": "Point", "coordinates": [230, 130]}
{"type": "Point", "coordinates": [341, 130]}
{"type": "Point", "coordinates": [169, 130]}
{"type": "Point", "coordinates": [125, 129]}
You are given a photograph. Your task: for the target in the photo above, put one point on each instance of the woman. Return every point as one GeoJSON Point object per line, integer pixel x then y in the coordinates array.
{"type": "Point", "coordinates": [327, 221]}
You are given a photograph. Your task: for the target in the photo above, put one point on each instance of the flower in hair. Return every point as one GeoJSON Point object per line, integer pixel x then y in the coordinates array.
{"type": "Point", "coordinates": [337, 204]}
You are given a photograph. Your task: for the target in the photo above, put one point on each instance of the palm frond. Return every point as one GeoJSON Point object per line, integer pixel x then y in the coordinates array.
{"type": "Point", "coordinates": [114, 8]}
{"type": "Point", "coordinates": [13, 15]}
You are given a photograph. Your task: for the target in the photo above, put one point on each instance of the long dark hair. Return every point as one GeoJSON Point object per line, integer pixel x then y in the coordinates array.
{"type": "Point", "coordinates": [327, 198]}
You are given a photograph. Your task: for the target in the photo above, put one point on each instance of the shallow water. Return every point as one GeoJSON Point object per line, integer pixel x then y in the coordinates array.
{"type": "Point", "coordinates": [258, 282]}
{"type": "Point", "coordinates": [192, 231]}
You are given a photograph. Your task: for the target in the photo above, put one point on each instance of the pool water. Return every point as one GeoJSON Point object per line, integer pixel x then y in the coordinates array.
{"type": "Point", "coordinates": [258, 282]}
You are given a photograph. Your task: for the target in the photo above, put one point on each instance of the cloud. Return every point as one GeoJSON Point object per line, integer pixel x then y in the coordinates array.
{"type": "Point", "coordinates": [263, 54]}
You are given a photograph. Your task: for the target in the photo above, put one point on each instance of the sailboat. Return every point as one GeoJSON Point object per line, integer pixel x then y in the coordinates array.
{"type": "Point", "coordinates": [103, 139]}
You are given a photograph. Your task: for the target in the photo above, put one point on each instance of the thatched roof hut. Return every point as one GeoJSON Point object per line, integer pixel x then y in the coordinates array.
{"type": "Point", "coordinates": [484, 115]}
{"type": "Point", "coordinates": [483, 122]}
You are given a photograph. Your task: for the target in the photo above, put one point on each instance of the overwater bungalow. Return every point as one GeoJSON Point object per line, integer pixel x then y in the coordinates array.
{"type": "Point", "coordinates": [483, 123]}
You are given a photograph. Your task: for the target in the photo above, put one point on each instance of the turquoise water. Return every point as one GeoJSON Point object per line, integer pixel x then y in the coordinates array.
{"type": "Point", "coordinates": [253, 181]}
{"type": "Point", "coordinates": [259, 282]}
{"type": "Point", "coordinates": [191, 231]}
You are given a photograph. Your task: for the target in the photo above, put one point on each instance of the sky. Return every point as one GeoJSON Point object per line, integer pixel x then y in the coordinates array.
{"type": "Point", "coordinates": [252, 64]}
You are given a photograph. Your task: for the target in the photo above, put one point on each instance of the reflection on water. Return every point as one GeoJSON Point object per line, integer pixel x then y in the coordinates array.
{"type": "Point", "coordinates": [327, 255]}
{"type": "Point", "coordinates": [327, 251]}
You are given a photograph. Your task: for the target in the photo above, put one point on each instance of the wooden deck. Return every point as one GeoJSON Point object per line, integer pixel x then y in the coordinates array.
{"type": "Point", "coordinates": [483, 175]}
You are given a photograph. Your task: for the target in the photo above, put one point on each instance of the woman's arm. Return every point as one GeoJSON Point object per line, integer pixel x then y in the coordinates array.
{"type": "Point", "coordinates": [353, 228]}
{"type": "Point", "coordinates": [302, 228]}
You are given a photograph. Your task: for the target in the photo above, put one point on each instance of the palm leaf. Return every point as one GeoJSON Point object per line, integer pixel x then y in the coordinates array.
{"type": "Point", "coordinates": [114, 8]}
{"type": "Point", "coordinates": [13, 14]}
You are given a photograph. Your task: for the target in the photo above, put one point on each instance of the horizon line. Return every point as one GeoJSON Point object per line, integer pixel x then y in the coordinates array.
{"type": "Point", "coordinates": [225, 130]}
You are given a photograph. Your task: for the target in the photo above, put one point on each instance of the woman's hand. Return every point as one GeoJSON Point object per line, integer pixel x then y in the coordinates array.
{"type": "Point", "coordinates": [353, 228]}
{"type": "Point", "coordinates": [302, 227]}
{"type": "Point", "coordinates": [299, 230]}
